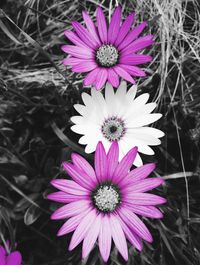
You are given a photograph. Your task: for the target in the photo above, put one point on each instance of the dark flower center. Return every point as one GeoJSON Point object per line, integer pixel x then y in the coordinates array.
{"type": "Point", "coordinates": [106, 197]}
{"type": "Point", "coordinates": [107, 55]}
{"type": "Point", "coordinates": [113, 129]}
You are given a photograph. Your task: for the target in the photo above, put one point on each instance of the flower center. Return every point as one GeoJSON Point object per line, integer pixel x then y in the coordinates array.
{"type": "Point", "coordinates": [113, 129]}
{"type": "Point", "coordinates": [106, 197]}
{"type": "Point", "coordinates": [107, 55]}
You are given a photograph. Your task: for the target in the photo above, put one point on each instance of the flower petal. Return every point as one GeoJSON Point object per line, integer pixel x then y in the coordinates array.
{"type": "Point", "coordinates": [2, 256]}
{"type": "Point", "coordinates": [112, 156]}
{"type": "Point", "coordinates": [85, 66]}
{"type": "Point", "coordinates": [64, 197]}
{"type": "Point", "coordinates": [91, 77]}
{"type": "Point", "coordinates": [71, 209]}
{"type": "Point", "coordinates": [114, 26]}
{"type": "Point", "coordinates": [69, 186]}
{"type": "Point", "coordinates": [132, 70]}
{"type": "Point", "coordinates": [73, 61]}
{"type": "Point", "coordinates": [135, 224]}
{"type": "Point", "coordinates": [91, 236]}
{"type": "Point", "coordinates": [113, 78]}
{"type": "Point", "coordinates": [101, 78]}
{"type": "Point", "coordinates": [143, 199]}
{"type": "Point", "coordinates": [144, 185]}
{"type": "Point", "coordinates": [82, 229]}
{"type": "Point", "coordinates": [124, 74]}
{"type": "Point", "coordinates": [100, 161]}
{"type": "Point", "coordinates": [101, 24]}
{"type": "Point", "coordinates": [90, 26]}
{"type": "Point", "coordinates": [14, 258]}
{"type": "Point", "coordinates": [118, 236]}
{"type": "Point", "coordinates": [144, 120]}
{"type": "Point", "coordinates": [80, 52]}
{"type": "Point", "coordinates": [75, 39]}
{"type": "Point", "coordinates": [124, 29]}
{"type": "Point", "coordinates": [135, 59]}
{"type": "Point", "coordinates": [147, 211]}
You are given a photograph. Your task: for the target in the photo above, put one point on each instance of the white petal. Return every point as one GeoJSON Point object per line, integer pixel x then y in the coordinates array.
{"type": "Point", "coordinates": [131, 93]}
{"type": "Point", "coordinates": [143, 120]}
{"type": "Point", "coordinates": [138, 161]}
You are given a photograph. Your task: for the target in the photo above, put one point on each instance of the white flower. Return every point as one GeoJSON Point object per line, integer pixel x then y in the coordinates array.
{"type": "Point", "coordinates": [117, 116]}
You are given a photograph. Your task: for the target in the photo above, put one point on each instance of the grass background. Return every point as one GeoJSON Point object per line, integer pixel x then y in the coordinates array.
{"type": "Point", "coordinates": [37, 94]}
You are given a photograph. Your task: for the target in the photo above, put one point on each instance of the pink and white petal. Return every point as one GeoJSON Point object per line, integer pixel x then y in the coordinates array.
{"type": "Point", "coordinates": [80, 52]}
{"type": "Point", "coordinates": [82, 229]}
{"type": "Point", "coordinates": [91, 77]}
{"type": "Point", "coordinates": [114, 26]}
{"type": "Point", "coordinates": [147, 211]}
{"type": "Point", "coordinates": [124, 29]}
{"type": "Point", "coordinates": [74, 38]}
{"type": "Point", "coordinates": [78, 176]}
{"type": "Point", "coordinates": [144, 185]}
{"type": "Point", "coordinates": [105, 238]}
{"type": "Point", "coordinates": [101, 24]}
{"type": "Point", "coordinates": [133, 70]}
{"type": "Point", "coordinates": [124, 165]}
{"type": "Point", "coordinates": [135, 224]}
{"type": "Point", "coordinates": [83, 164]}
{"type": "Point", "coordinates": [85, 66]}
{"type": "Point", "coordinates": [90, 26]}
{"type": "Point", "coordinates": [113, 78]}
{"type": "Point", "coordinates": [91, 236]}
{"type": "Point", "coordinates": [85, 35]}
{"type": "Point", "coordinates": [14, 258]}
{"type": "Point", "coordinates": [118, 236]}
{"type": "Point", "coordinates": [71, 209]}
{"type": "Point", "coordinates": [112, 157]}
{"type": "Point", "coordinates": [72, 223]}
{"type": "Point", "coordinates": [138, 174]}
{"type": "Point", "coordinates": [101, 164]}
{"type": "Point", "coordinates": [132, 35]}
{"type": "Point", "coordinates": [135, 59]}
{"type": "Point", "coordinates": [73, 61]}
{"type": "Point", "coordinates": [124, 74]}
{"type": "Point", "coordinates": [143, 199]}
{"type": "Point", "coordinates": [64, 197]}
{"type": "Point", "coordinates": [131, 236]}
{"type": "Point", "coordinates": [2, 256]}
{"type": "Point", "coordinates": [69, 186]}
{"type": "Point", "coordinates": [101, 78]}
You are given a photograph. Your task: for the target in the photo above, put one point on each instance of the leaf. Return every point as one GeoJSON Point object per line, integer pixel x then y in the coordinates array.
{"type": "Point", "coordinates": [31, 215]}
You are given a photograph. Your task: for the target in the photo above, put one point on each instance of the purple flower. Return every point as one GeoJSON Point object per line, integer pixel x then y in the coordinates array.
{"type": "Point", "coordinates": [107, 53]}
{"type": "Point", "coordinates": [14, 258]}
{"type": "Point", "coordinates": [103, 203]}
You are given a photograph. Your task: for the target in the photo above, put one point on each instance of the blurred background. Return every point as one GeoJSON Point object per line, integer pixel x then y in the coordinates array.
{"type": "Point", "coordinates": [37, 94]}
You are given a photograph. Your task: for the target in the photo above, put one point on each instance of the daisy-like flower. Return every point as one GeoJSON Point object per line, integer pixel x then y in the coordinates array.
{"type": "Point", "coordinates": [107, 52]}
{"type": "Point", "coordinates": [102, 204]}
{"type": "Point", "coordinates": [117, 117]}
{"type": "Point", "coordinates": [13, 258]}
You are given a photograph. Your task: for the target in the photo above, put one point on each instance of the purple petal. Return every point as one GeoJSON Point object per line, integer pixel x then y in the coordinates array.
{"type": "Point", "coordinates": [91, 77]}
{"type": "Point", "coordinates": [75, 39]}
{"type": "Point", "coordinates": [121, 72]}
{"type": "Point", "coordinates": [112, 156]}
{"type": "Point", "coordinates": [2, 256]}
{"type": "Point", "coordinates": [82, 229]}
{"type": "Point", "coordinates": [100, 161]}
{"type": "Point", "coordinates": [83, 165]}
{"type": "Point", "coordinates": [85, 66]}
{"type": "Point", "coordinates": [132, 70]}
{"type": "Point", "coordinates": [105, 238]}
{"type": "Point", "coordinates": [91, 237]}
{"type": "Point", "coordinates": [64, 197]}
{"type": "Point", "coordinates": [131, 236]}
{"type": "Point", "coordinates": [113, 29]}
{"type": "Point", "coordinates": [101, 78]}
{"type": "Point", "coordinates": [143, 199]}
{"type": "Point", "coordinates": [69, 186]}
{"type": "Point", "coordinates": [71, 209]}
{"type": "Point", "coordinates": [72, 223]}
{"type": "Point", "coordinates": [113, 78]}
{"type": "Point", "coordinates": [147, 211]}
{"type": "Point", "coordinates": [118, 236]}
{"type": "Point", "coordinates": [84, 35]}
{"type": "Point", "coordinates": [79, 52]}
{"type": "Point", "coordinates": [144, 185]}
{"type": "Point", "coordinates": [90, 26]}
{"type": "Point", "coordinates": [135, 224]}
{"type": "Point", "coordinates": [124, 29]}
{"type": "Point", "coordinates": [73, 61]}
{"type": "Point", "coordinates": [78, 176]}
{"type": "Point", "coordinates": [132, 35]}
{"type": "Point", "coordinates": [135, 59]}
{"type": "Point", "coordinates": [101, 24]}
{"type": "Point", "coordinates": [138, 45]}
{"type": "Point", "coordinates": [124, 165]}
{"type": "Point", "coordinates": [138, 174]}
{"type": "Point", "coordinates": [14, 258]}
